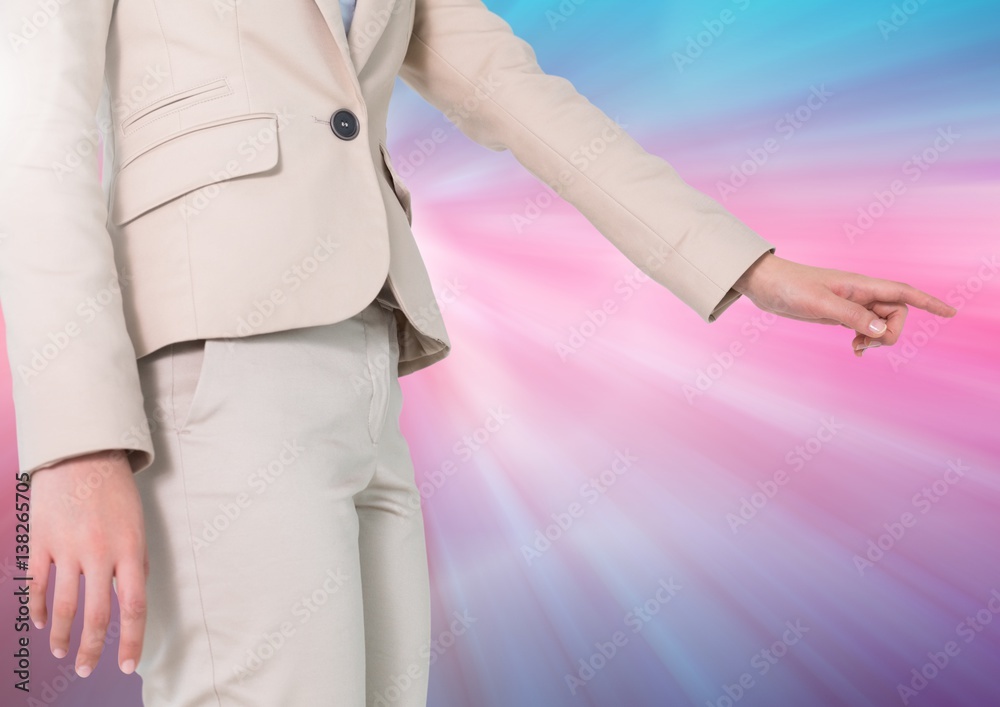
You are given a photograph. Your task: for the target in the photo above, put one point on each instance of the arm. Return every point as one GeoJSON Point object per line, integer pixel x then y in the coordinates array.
{"type": "Point", "coordinates": [466, 61]}
{"type": "Point", "coordinates": [75, 378]}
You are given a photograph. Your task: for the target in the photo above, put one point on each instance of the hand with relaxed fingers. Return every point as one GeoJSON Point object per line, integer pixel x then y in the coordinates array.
{"type": "Point", "coordinates": [86, 518]}
{"type": "Point", "coordinates": [875, 309]}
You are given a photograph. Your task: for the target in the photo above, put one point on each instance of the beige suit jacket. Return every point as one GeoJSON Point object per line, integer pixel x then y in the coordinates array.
{"type": "Point", "coordinates": [234, 204]}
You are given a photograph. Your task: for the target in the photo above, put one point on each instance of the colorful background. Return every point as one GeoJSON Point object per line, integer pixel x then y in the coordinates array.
{"type": "Point", "coordinates": [682, 572]}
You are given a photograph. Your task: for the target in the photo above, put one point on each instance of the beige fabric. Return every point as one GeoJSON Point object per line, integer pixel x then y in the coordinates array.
{"type": "Point", "coordinates": [233, 208]}
{"type": "Point", "coordinates": [286, 541]}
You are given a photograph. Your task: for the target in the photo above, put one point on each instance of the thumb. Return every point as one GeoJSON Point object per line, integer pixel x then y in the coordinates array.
{"type": "Point", "coordinates": [853, 315]}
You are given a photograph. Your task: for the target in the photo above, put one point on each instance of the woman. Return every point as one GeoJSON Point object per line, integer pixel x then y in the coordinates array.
{"type": "Point", "coordinates": [279, 524]}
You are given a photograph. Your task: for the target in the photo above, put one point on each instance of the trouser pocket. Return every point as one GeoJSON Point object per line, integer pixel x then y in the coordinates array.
{"type": "Point", "coordinates": [191, 369]}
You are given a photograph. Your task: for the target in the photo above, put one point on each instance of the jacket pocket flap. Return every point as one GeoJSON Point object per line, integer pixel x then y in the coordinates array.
{"type": "Point", "coordinates": [200, 155]}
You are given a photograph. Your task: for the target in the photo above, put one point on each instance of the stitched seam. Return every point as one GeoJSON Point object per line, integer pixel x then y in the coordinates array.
{"type": "Point", "coordinates": [194, 554]}
{"type": "Point", "coordinates": [239, 44]}
{"type": "Point", "coordinates": [171, 97]}
{"type": "Point", "coordinates": [371, 375]}
{"type": "Point", "coordinates": [166, 98]}
{"type": "Point", "coordinates": [398, 509]}
{"type": "Point", "coordinates": [173, 388]}
{"type": "Point", "coordinates": [190, 275]}
{"type": "Point", "coordinates": [142, 124]}
{"type": "Point", "coordinates": [567, 161]}
{"type": "Point", "coordinates": [390, 325]}
{"type": "Point", "coordinates": [166, 44]}
{"type": "Point", "coordinates": [218, 122]}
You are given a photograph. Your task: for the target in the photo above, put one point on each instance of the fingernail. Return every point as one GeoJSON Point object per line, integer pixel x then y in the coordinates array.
{"type": "Point", "coordinates": [128, 666]}
{"type": "Point", "coordinates": [873, 344]}
{"type": "Point", "coordinates": [877, 326]}
{"type": "Point", "coordinates": [83, 670]}
{"type": "Point", "coordinates": [59, 652]}
{"type": "Point", "coordinates": [38, 624]}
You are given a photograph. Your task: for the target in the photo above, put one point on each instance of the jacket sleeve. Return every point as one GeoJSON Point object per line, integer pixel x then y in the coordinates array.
{"type": "Point", "coordinates": [73, 367]}
{"type": "Point", "coordinates": [466, 61]}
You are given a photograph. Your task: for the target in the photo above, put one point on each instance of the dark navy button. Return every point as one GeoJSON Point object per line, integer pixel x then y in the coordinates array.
{"type": "Point", "coordinates": [344, 124]}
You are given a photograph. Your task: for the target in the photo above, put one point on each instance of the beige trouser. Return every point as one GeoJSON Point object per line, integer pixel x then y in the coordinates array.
{"type": "Point", "coordinates": [286, 542]}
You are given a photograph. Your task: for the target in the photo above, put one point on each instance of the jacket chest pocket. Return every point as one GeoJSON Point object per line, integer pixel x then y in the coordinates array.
{"type": "Point", "coordinates": [175, 102]}
{"type": "Point", "coordinates": [402, 193]}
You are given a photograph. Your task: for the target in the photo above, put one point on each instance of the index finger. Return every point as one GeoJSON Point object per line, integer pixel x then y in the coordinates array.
{"type": "Point", "coordinates": [891, 291]}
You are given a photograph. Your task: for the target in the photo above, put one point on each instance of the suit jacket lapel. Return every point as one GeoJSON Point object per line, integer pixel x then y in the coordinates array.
{"type": "Point", "coordinates": [370, 20]}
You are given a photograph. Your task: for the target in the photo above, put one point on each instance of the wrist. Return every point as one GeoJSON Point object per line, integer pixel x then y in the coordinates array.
{"type": "Point", "coordinates": [745, 281]}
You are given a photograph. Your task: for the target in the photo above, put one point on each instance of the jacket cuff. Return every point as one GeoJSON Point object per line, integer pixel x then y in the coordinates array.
{"type": "Point", "coordinates": [63, 421]}
{"type": "Point", "coordinates": [138, 459]}
{"type": "Point", "coordinates": [743, 259]}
